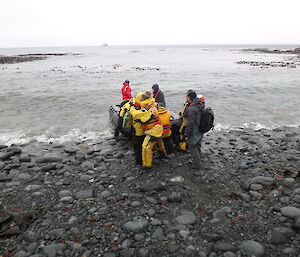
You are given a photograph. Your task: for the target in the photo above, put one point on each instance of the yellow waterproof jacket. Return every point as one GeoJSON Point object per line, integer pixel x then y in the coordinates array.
{"type": "Point", "coordinates": [146, 116]}
{"type": "Point", "coordinates": [165, 118]}
{"type": "Point", "coordinates": [138, 130]}
{"type": "Point", "coordinates": [183, 117]}
{"type": "Point", "coordinates": [126, 107]}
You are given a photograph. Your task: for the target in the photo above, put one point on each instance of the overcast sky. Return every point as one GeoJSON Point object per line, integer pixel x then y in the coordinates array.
{"type": "Point", "coordinates": [94, 22]}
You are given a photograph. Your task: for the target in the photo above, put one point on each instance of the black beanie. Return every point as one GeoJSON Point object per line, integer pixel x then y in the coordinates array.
{"type": "Point", "coordinates": [191, 94]}
{"type": "Point", "coordinates": [155, 87]}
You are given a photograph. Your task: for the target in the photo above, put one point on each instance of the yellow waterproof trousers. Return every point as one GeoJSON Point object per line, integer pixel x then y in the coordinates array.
{"type": "Point", "coordinates": [182, 137]}
{"type": "Point", "coordinates": [147, 147]}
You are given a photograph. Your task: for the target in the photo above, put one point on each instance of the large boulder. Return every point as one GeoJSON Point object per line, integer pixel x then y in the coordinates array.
{"type": "Point", "coordinates": [252, 248]}
{"type": "Point", "coordinates": [290, 211]}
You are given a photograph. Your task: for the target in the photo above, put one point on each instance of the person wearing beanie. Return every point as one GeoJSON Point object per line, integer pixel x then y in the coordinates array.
{"type": "Point", "coordinates": [194, 136]}
{"type": "Point", "coordinates": [158, 95]}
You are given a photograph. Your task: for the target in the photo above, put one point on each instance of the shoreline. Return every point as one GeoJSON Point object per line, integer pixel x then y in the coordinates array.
{"type": "Point", "coordinates": [290, 62]}
{"type": "Point", "coordinates": [90, 199]}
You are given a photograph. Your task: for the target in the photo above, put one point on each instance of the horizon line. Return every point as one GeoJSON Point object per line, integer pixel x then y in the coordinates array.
{"type": "Point", "coordinates": [185, 44]}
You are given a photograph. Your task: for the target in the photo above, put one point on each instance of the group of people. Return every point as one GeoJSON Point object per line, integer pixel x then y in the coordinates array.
{"type": "Point", "coordinates": [147, 115]}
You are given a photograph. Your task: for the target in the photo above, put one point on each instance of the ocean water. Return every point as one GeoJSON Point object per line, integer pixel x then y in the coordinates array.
{"type": "Point", "coordinates": [66, 98]}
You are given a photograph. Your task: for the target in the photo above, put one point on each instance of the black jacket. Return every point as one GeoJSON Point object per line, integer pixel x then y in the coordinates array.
{"type": "Point", "coordinates": [193, 114]}
{"type": "Point", "coordinates": [159, 98]}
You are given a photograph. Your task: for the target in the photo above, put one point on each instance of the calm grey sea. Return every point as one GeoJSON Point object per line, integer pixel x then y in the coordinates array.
{"type": "Point", "coordinates": [67, 97]}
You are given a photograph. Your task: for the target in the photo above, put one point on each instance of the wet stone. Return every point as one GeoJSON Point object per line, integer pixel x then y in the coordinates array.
{"type": "Point", "coordinates": [139, 237]}
{"type": "Point", "coordinates": [172, 248]}
{"type": "Point", "coordinates": [32, 247]}
{"type": "Point", "coordinates": [24, 158]}
{"type": "Point", "coordinates": [252, 248]}
{"type": "Point", "coordinates": [74, 231]}
{"type": "Point", "coordinates": [184, 233]}
{"type": "Point", "coordinates": [151, 212]}
{"type": "Point", "coordinates": [297, 223]}
{"type": "Point", "coordinates": [21, 254]}
{"type": "Point", "coordinates": [229, 254]}
{"type": "Point", "coordinates": [71, 150]}
{"type": "Point", "coordinates": [89, 193]}
{"type": "Point", "coordinates": [158, 233]}
{"type": "Point", "coordinates": [57, 233]}
{"type": "Point", "coordinates": [48, 158]}
{"type": "Point", "coordinates": [202, 254]}
{"type": "Point", "coordinates": [136, 204]}
{"type": "Point", "coordinates": [32, 187]}
{"type": "Point", "coordinates": [256, 187]}
{"type": "Point", "coordinates": [65, 193]}
{"type": "Point", "coordinates": [277, 236]}
{"type": "Point", "coordinates": [137, 225]}
{"type": "Point", "coordinates": [105, 194]}
{"type": "Point", "coordinates": [223, 247]}
{"type": "Point", "coordinates": [222, 213]}
{"type": "Point", "coordinates": [289, 251]}
{"type": "Point", "coordinates": [186, 218]}
{"type": "Point", "coordinates": [66, 199]}
{"type": "Point", "coordinates": [289, 181]}
{"type": "Point", "coordinates": [255, 195]}
{"type": "Point", "coordinates": [6, 156]}
{"type": "Point", "coordinates": [3, 147]}
{"type": "Point", "coordinates": [211, 237]}
{"type": "Point", "coordinates": [48, 167]}
{"type": "Point", "coordinates": [126, 243]}
{"type": "Point", "coordinates": [175, 197]}
{"type": "Point", "coordinates": [52, 249]}
{"type": "Point", "coordinates": [155, 222]}
{"type": "Point", "coordinates": [24, 176]}
{"type": "Point", "coordinates": [127, 252]}
{"type": "Point", "coordinates": [267, 181]}
{"type": "Point", "coordinates": [147, 187]}
{"type": "Point", "coordinates": [151, 200]}
{"type": "Point", "coordinates": [290, 211]}
{"type": "Point", "coordinates": [85, 177]}
{"type": "Point", "coordinates": [143, 252]}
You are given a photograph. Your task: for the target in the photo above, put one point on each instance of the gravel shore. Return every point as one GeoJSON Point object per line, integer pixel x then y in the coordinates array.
{"type": "Point", "coordinates": [90, 199]}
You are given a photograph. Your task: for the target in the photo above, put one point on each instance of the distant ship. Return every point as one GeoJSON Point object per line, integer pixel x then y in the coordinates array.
{"type": "Point", "coordinates": [104, 44]}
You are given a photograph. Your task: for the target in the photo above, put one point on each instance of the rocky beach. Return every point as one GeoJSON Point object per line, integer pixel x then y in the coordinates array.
{"type": "Point", "coordinates": [87, 198]}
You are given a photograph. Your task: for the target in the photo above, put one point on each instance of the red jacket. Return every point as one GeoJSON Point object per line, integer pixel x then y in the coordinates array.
{"type": "Point", "coordinates": [126, 91]}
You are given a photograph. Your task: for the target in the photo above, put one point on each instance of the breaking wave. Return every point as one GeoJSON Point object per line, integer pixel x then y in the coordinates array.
{"type": "Point", "coordinates": [251, 125]}
{"type": "Point", "coordinates": [77, 135]}
{"type": "Point", "coordinates": [74, 135]}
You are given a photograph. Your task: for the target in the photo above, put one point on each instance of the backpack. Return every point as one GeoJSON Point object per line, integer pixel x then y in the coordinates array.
{"type": "Point", "coordinates": [207, 120]}
{"type": "Point", "coordinates": [127, 120]}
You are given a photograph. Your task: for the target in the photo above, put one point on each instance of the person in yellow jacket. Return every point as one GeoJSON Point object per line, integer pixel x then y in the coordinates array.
{"type": "Point", "coordinates": [138, 132]}
{"type": "Point", "coordinates": [182, 114]}
{"type": "Point", "coordinates": [148, 117]}
{"type": "Point", "coordinates": [123, 109]}
{"type": "Point", "coordinates": [165, 118]}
